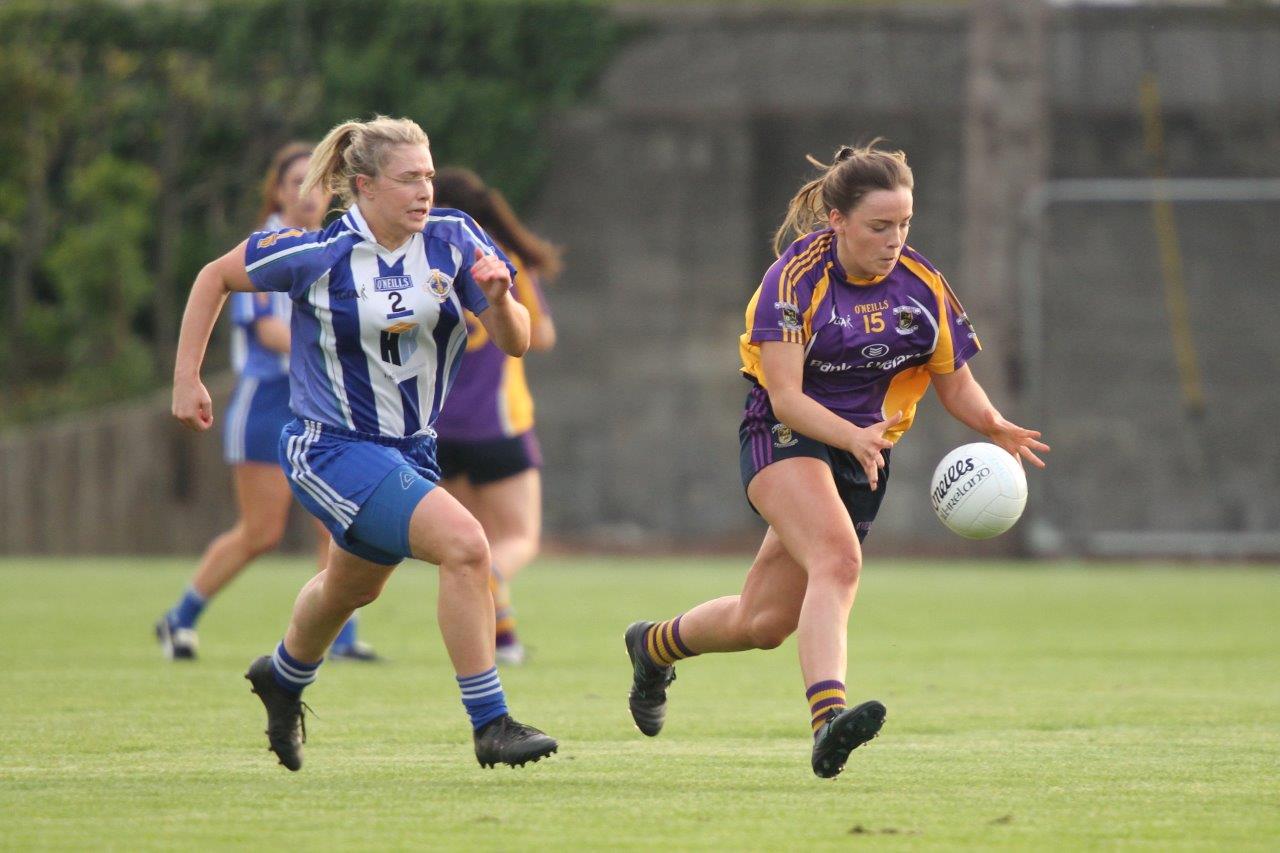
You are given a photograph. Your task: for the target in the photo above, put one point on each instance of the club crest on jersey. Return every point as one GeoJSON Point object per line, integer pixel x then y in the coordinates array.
{"type": "Point", "coordinates": [439, 284]}
{"type": "Point", "coordinates": [783, 436]}
{"type": "Point", "coordinates": [790, 319]}
{"type": "Point", "coordinates": [270, 240]}
{"type": "Point", "coordinates": [908, 319]}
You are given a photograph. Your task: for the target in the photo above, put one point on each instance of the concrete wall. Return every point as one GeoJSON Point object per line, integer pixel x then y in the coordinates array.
{"type": "Point", "coordinates": [665, 192]}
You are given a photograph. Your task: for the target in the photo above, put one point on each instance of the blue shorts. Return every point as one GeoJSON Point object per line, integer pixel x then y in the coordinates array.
{"type": "Point", "coordinates": [363, 488]}
{"type": "Point", "coordinates": [258, 410]}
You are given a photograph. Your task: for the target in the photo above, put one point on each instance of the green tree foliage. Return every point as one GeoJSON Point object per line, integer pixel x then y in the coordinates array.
{"type": "Point", "coordinates": [133, 138]}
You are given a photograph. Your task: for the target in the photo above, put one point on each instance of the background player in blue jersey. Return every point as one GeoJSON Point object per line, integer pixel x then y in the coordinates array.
{"type": "Point", "coordinates": [377, 332]}
{"type": "Point", "coordinates": [488, 451]}
{"type": "Point", "coordinates": [843, 337]}
{"type": "Point", "coordinates": [258, 411]}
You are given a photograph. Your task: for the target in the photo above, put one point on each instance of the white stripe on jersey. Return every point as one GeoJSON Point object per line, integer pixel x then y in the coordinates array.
{"type": "Point", "coordinates": [293, 250]}
{"type": "Point", "coordinates": [317, 297]}
{"type": "Point", "coordinates": [932, 322]}
{"type": "Point", "coordinates": [387, 405]}
{"type": "Point", "coordinates": [470, 233]}
{"type": "Point", "coordinates": [457, 342]}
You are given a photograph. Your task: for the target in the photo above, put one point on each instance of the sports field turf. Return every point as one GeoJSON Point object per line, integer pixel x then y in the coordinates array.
{"type": "Point", "coordinates": [1030, 706]}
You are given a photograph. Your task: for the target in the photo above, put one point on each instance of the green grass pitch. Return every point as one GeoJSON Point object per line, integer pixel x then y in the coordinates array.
{"type": "Point", "coordinates": [1030, 706]}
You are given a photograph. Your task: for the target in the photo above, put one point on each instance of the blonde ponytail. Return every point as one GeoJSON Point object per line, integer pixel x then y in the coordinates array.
{"type": "Point", "coordinates": [357, 148]}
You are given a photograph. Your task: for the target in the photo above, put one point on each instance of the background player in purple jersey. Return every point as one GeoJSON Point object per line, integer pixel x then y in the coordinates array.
{"type": "Point", "coordinates": [257, 413]}
{"type": "Point", "coordinates": [488, 451]}
{"type": "Point", "coordinates": [847, 331]}
{"type": "Point", "coordinates": [376, 335]}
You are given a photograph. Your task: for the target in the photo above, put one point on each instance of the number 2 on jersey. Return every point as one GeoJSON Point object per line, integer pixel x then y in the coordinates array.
{"type": "Point", "coordinates": [397, 306]}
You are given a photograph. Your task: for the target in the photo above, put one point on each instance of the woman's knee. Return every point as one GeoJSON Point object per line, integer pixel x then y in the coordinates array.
{"type": "Point", "coordinates": [770, 630]}
{"type": "Point", "coordinates": [839, 569]}
{"type": "Point", "coordinates": [358, 597]}
{"type": "Point", "coordinates": [262, 535]}
{"type": "Point", "coordinates": [465, 549]}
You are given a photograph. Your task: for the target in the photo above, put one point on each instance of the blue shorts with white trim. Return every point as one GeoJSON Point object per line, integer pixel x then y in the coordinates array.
{"type": "Point", "coordinates": [363, 488]}
{"type": "Point", "coordinates": [258, 410]}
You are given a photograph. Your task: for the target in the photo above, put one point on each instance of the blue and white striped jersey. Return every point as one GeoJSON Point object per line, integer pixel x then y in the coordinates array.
{"type": "Point", "coordinates": [248, 356]}
{"type": "Point", "coordinates": [377, 335]}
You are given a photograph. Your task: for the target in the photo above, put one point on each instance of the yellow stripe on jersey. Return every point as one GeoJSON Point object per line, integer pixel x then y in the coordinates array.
{"type": "Point", "coordinates": [819, 291]}
{"type": "Point", "coordinates": [515, 403]}
{"type": "Point", "coordinates": [904, 392]}
{"type": "Point", "coordinates": [943, 359]}
{"type": "Point", "coordinates": [526, 289]}
{"type": "Point", "coordinates": [788, 279]}
{"type": "Point", "coordinates": [908, 387]}
{"type": "Point", "coordinates": [750, 352]}
{"type": "Point", "coordinates": [795, 269]}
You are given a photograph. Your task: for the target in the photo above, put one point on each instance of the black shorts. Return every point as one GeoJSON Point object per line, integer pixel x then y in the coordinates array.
{"type": "Point", "coordinates": [762, 440]}
{"type": "Point", "coordinates": [491, 460]}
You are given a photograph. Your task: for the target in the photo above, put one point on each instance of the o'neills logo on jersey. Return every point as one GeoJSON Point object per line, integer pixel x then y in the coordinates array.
{"type": "Point", "coordinates": [388, 283]}
{"type": "Point", "coordinates": [439, 284]}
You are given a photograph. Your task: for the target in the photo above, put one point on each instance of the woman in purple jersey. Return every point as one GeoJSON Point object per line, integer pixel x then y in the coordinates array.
{"type": "Point", "coordinates": [847, 331]}
{"type": "Point", "coordinates": [487, 449]}
{"type": "Point", "coordinates": [258, 411]}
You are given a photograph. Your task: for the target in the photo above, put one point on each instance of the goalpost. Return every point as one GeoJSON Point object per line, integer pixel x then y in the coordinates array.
{"type": "Point", "coordinates": [1049, 535]}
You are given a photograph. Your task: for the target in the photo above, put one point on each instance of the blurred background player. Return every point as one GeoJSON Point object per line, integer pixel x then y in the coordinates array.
{"type": "Point", "coordinates": [256, 415]}
{"type": "Point", "coordinates": [487, 449]}
{"type": "Point", "coordinates": [377, 334]}
{"type": "Point", "coordinates": [844, 335]}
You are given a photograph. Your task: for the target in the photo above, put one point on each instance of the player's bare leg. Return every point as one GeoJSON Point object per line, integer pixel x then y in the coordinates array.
{"type": "Point", "coordinates": [442, 531]}
{"type": "Point", "coordinates": [322, 607]}
{"type": "Point", "coordinates": [262, 501]}
{"type": "Point", "coordinates": [328, 600]}
{"type": "Point", "coordinates": [511, 512]}
{"type": "Point", "coordinates": [798, 498]}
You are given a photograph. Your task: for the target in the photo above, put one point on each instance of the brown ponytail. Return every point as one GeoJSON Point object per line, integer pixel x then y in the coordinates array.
{"type": "Point", "coordinates": [463, 190]}
{"type": "Point", "coordinates": [853, 173]}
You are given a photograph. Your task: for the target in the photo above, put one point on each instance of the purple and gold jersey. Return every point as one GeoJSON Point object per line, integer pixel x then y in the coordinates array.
{"type": "Point", "coordinates": [490, 397]}
{"type": "Point", "coordinates": [870, 344]}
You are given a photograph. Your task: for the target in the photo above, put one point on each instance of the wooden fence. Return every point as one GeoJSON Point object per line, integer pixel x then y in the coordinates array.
{"type": "Point", "coordinates": [123, 480]}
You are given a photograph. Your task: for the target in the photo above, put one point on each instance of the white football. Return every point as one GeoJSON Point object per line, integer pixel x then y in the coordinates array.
{"type": "Point", "coordinates": [978, 490]}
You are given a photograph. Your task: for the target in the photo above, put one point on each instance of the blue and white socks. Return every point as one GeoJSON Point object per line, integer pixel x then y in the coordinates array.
{"type": "Point", "coordinates": [290, 673]}
{"type": "Point", "coordinates": [482, 694]}
{"type": "Point", "coordinates": [483, 698]}
{"type": "Point", "coordinates": [188, 609]}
